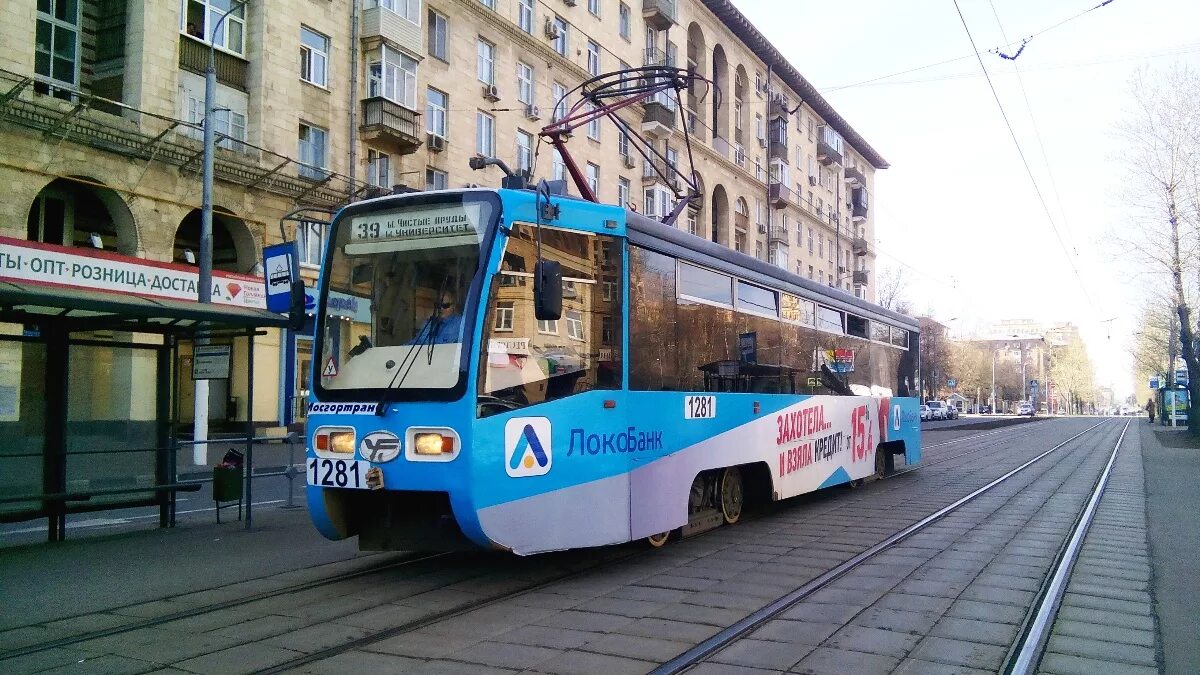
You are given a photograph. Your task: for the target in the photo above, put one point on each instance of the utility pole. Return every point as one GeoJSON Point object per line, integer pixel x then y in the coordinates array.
{"type": "Point", "coordinates": [204, 287]}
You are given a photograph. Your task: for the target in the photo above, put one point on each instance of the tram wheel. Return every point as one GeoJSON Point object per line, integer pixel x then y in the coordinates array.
{"type": "Point", "coordinates": [731, 494]}
{"type": "Point", "coordinates": [658, 540]}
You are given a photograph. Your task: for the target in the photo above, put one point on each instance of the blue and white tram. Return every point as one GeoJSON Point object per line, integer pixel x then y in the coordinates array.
{"type": "Point", "coordinates": [667, 380]}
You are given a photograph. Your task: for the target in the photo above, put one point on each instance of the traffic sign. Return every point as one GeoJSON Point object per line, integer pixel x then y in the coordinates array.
{"type": "Point", "coordinates": [952, 383]}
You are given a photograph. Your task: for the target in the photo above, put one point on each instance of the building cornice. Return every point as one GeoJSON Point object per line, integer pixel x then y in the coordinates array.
{"type": "Point", "coordinates": [749, 34]}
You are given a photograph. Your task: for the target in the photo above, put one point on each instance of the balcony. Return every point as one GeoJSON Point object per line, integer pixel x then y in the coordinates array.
{"type": "Point", "coordinates": [655, 57]}
{"type": "Point", "coordinates": [193, 56]}
{"type": "Point", "coordinates": [741, 221]}
{"type": "Point", "coordinates": [778, 107]}
{"type": "Point", "coordinates": [778, 149]}
{"type": "Point", "coordinates": [860, 278]}
{"type": "Point", "coordinates": [654, 169]}
{"type": "Point", "coordinates": [778, 234]}
{"type": "Point", "coordinates": [778, 195]}
{"type": "Point", "coordinates": [854, 178]}
{"type": "Point", "coordinates": [387, 122]}
{"type": "Point", "coordinates": [859, 204]}
{"type": "Point", "coordinates": [859, 246]}
{"type": "Point", "coordinates": [658, 121]}
{"type": "Point", "coordinates": [659, 14]}
{"type": "Point", "coordinates": [378, 25]}
{"type": "Point", "coordinates": [829, 146]}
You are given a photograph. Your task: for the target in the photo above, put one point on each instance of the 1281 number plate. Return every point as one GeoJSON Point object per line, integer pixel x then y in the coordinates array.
{"type": "Point", "coordinates": [699, 407]}
{"type": "Point", "coordinates": [340, 473]}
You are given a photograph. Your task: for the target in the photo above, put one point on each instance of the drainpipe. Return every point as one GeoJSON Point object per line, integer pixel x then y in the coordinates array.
{"type": "Point", "coordinates": [767, 132]}
{"type": "Point", "coordinates": [353, 117]}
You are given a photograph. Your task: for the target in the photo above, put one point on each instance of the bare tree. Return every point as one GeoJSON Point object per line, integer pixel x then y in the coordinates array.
{"type": "Point", "coordinates": [1162, 134]}
{"type": "Point", "coordinates": [890, 293]}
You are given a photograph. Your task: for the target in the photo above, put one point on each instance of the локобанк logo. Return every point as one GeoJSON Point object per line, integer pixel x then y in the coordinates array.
{"type": "Point", "coordinates": [527, 450]}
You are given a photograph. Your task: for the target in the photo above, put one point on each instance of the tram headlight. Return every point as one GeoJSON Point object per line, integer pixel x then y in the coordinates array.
{"type": "Point", "coordinates": [433, 443]}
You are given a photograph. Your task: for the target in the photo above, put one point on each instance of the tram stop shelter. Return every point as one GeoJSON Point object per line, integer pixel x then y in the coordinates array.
{"type": "Point", "coordinates": [88, 351]}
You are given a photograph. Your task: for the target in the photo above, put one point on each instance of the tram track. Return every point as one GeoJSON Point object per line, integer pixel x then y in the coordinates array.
{"type": "Point", "coordinates": [711, 646]}
{"type": "Point", "coordinates": [191, 612]}
{"type": "Point", "coordinates": [622, 555]}
{"type": "Point", "coordinates": [1025, 654]}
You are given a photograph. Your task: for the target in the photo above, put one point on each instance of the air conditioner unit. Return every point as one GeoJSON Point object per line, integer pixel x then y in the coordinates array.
{"type": "Point", "coordinates": [762, 142]}
{"type": "Point", "coordinates": [628, 159]}
{"type": "Point", "coordinates": [533, 112]}
{"type": "Point", "coordinates": [762, 228]}
{"type": "Point", "coordinates": [436, 143]}
{"type": "Point", "coordinates": [552, 30]}
{"type": "Point", "coordinates": [569, 3]}
{"type": "Point", "coordinates": [491, 93]}
{"type": "Point", "coordinates": [812, 180]}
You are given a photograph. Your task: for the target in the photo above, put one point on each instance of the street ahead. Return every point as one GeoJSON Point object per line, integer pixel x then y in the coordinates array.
{"type": "Point", "coordinates": [816, 584]}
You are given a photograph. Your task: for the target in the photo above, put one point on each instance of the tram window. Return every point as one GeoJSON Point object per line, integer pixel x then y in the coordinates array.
{"type": "Point", "coordinates": [829, 319]}
{"type": "Point", "coordinates": [525, 361]}
{"type": "Point", "coordinates": [702, 284]}
{"type": "Point", "coordinates": [653, 364]}
{"type": "Point", "coordinates": [856, 326]}
{"type": "Point", "coordinates": [900, 337]}
{"type": "Point", "coordinates": [757, 299]}
{"type": "Point", "coordinates": [797, 310]}
{"type": "Point", "coordinates": [880, 332]}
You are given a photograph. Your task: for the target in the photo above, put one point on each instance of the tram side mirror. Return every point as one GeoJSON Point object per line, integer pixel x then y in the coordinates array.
{"type": "Point", "coordinates": [296, 307]}
{"type": "Point", "coordinates": [547, 290]}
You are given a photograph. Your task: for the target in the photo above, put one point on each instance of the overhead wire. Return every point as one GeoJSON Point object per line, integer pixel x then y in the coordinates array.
{"type": "Point", "coordinates": [1024, 160]}
{"type": "Point", "coordinates": [1037, 134]}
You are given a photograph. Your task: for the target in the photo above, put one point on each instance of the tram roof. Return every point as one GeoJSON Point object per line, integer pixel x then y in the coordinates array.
{"type": "Point", "coordinates": [652, 234]}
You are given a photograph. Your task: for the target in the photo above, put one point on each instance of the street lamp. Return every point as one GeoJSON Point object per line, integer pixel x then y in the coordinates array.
{"type": "Point", "coordinates": [204, 290]}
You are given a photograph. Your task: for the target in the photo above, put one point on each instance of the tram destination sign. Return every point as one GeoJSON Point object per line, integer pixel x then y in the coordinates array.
{"type": "Point", "coordinates": [52, 265]}
{"type": "Point", "coordinates": [418, 222]}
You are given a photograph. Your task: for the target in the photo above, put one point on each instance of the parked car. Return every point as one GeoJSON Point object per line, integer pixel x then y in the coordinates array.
{"type": "Point", "coordinates": [937, 410]}
{"type": "Point", "coordinates": [924, 412]}
{"type": "Point", "coordinates": [951, 411]}
{"type": "Point", "coordinates": [1025, 409]}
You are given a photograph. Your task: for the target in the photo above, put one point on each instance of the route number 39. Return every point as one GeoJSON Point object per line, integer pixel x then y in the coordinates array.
{"type": "Point", "coordinates": [699, 407]}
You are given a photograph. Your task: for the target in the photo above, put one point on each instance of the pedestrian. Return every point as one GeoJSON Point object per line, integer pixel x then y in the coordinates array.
{"type": "Point", "coordinates": [1150, 409]}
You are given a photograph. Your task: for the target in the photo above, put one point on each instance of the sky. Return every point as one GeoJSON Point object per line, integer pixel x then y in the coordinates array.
{"type": "Point", "coordinates": [957, 211]}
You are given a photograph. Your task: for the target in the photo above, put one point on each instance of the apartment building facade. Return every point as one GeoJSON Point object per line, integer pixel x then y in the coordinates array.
{"type": "Point", "coordinates": [324, 102]}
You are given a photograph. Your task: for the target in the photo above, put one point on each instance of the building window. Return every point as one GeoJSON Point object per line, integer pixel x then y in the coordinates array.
{"type": "Point", "coordinates": [229, 120]}
{"type": "Point", "coordinates": [379, 169]}
{"type": "Point", "coordinates": [393, 75]}
{"type": "Point", "coordinates": [548, 326]}
{"type": "Point", "coordinates": [821, 245]}
{"type": "Point", "coordinates": [436, 105]}
{"type": "Point", "coordinates": [623, 143]}
{"type": "Point", "coordinates": [810, 240]}
{"type": "Point", "coordinates": [436, 180]}
{"type": "Point", "coordinates": [524, 151]}
{"type": "Point", "coordinates": [56, 51]}
{"type": "Point", "coordinates": [439, 35]}
{"type": "Point", "coordinates": [485, 134]}
{"type": "Point", "coordinates": [314, 56]}
{"type": "Point", "coordinates": [557, 168]}
{"type": "Point", "coordinates": [313, 153]}
{"type": "Point", "coordinates": [524, 83]}
{"type": "Point", "coordinates": [525, 15]}
{"type": "Point", "coordinates": [593, 57]}
{"type": "Point", "coordinates": [409, 9]}
{"type": "Point", "coordinates": [560, 100]}
{"type": "Point", "coordinates": [485, 62]}
{"type": "Point", "coordinates": [810, 271]}
{"type": "Point", "coordinates": [739, 241]}
{"type": "Point", "coordinates": [593, 178]}
{"type": "Point", "coordinates": [623, 20]}
{"type": "Point", "coordinates": [310, 242]}
{"type": "Point", "coordinates": [504, 317]}
{"type": "Point", "coordinates": [623, 192]}
{"type": "Point", "coordinates": [758, 250]}
{"type": "Point", "coordinates": [574, 324]}
{"type": "Point", "coordinates": [561, 42]}
{"type": "Point", "coordinates": [594, 7]}
{"type": "Point", "coordinates": [593, 126]}
{"type": "Point", "coordinates": [692, 224]}
{"type": "Point", "coordinates": [199, 20]}
{"type": "Point", "coordinates": [490, 4]}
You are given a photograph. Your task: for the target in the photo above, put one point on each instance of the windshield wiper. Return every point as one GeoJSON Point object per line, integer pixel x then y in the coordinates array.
{"type": "Point", "coordinates": [433, 324]}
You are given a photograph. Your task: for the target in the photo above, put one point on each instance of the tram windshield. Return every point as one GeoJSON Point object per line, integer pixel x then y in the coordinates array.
{"type": "Point", "coordinates": [396, 291]}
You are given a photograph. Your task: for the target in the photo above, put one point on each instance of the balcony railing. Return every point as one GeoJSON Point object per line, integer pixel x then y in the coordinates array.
{"type": "Point", "coordinates": [860, 278]}
{"type": "Point", "coordinates": [779, 233]}
{"type": "Point", "coordinates": [860, 203]}
{"type": "Point", "coordinates": [388, 121]}
{"type": "Point", "coordinates": [777, 149]}
{"type": "Point", "coordinates": [193, 56]}
{"type": "Point", "coordinates": [859, 246]}
{"type": "Point", "coordinates": [658, 119]}
{"type": "Point", "coordinates": [854, 177]}
{"type": "Point", "coordinates": [741, 221]}
{"type": "Point", "coordinates": [659, 14]}
{"type": "Point", "coordinates": [779, 195]}
{"type": "Point", "coordinates": [655, 57]}
{"type": "Point", "coordinates": [829, 145]}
